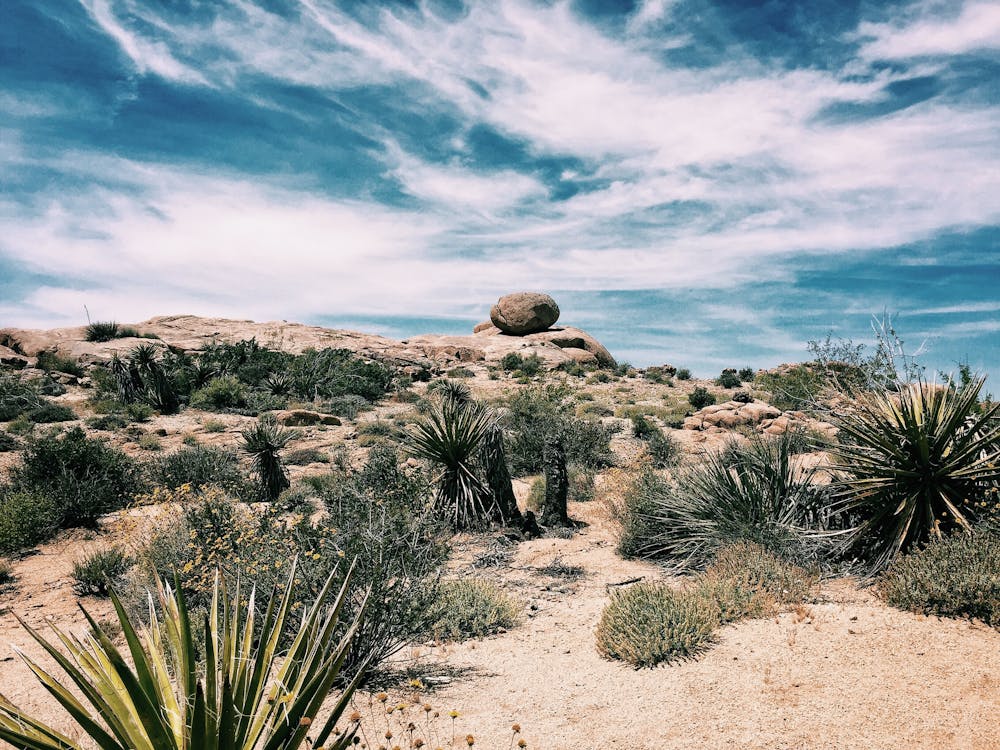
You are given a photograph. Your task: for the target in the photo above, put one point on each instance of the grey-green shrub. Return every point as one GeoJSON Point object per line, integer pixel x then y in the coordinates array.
{"type": "Point", "coordinates": [26, 518]}
{"type": "Point", "coordinates": [472, 608]}
{"type": "Point", "coordinates": [49, 412]}
{"type": "Point", "coordinates": [699, 398]}
{"type": "Point", "coordinates": [221, 393]}
{"type": "Point", "coordinates": [17, 396]}
{"type": "Point", "coordinates": [199, 466]}
{"type": "Point", "coordinates": [958, 576]}
{"type": "Point", "coordinates": [95, 574]}
{"type": "Point", "coordinates": [651, 623]}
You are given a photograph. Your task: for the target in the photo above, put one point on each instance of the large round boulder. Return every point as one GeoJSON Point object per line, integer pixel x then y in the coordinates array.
{"type": "Point", "coordinates": [522, 313]}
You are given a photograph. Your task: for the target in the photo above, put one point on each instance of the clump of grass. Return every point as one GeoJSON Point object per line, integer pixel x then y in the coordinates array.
{"type": "Point", "coordinates": [213, 425]}
{"type": "Point", "coordinates": [52, 362]}
{"type": "Point", "coordinates": [651, 623]}
{"type": "Point", "coordinates": [306, 456]}
{"type": "Point", "coordinates": [150, 442]}
{"type": "Point", "coordinates": [469, 608]}
{"type": "Point", "coordinates": [97, 573]}
{"type": "Point", "coordinates": [106, 330]}
{"type": "Point", "coordinates": [957, 576]}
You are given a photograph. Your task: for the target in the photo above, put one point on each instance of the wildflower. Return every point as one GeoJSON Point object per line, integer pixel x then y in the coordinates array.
{"type": "Point", "coordinates": [382, 697]}
{"type": "Point", "coordinates": [470, 740]}
{"type": "Point", "coordinates": [356, 717]}
{"type": "Point", "coordinates": [305, 721]}
{"type": "Point", "coordinates": [453, 713]}
{"type": "Point", "coordinates": [516, 728]}
{"type": "Point", "coordinates": [521, 743]}
{"type": "Point", "coordinates": [427, 708]}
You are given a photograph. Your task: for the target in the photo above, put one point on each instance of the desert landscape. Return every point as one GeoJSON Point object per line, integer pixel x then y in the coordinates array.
{"type": "Point", "coordinates": [559, 550]}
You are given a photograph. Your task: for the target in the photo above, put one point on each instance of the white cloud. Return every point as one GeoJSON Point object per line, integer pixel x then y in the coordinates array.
{"type": "Point", "coordinates": [976, 27]}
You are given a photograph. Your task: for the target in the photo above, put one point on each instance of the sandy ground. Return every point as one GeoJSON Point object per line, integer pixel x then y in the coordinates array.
{"type": "Point", "coordinates": [845, 671]}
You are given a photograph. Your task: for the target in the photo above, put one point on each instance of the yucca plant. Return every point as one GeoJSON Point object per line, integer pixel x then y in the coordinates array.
{"type": "Point", "coordinates": [102, 330]}
{"type": "Point", "coordinates": [451, 436]}
{"type": "Point", "coordinates": [238, 697]}
{"type": "Point", "coordinates": [914, 464]}
{"type": "Point", "coordinates": [264, 442]}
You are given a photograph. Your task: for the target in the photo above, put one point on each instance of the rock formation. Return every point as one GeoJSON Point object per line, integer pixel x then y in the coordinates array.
{"type": "Point", "coordinates": [522, 313]}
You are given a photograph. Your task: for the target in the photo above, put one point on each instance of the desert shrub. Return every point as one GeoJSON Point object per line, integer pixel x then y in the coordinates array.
{"type": "Point", "coordinates": [306, 456]}
{"type": "Point", "coordinates": [531, 365]}
{"type": "Point", "coordinates": [139, 412]}
{"type": "Point", "coordinates": [663, 449]}
{"type": "Point", "coordinates": [756, 568]}
{"type": "Point", "coordinates": [742, 397]}
{"type": "Point", "coordinates": [213, 425]}
{"type": "Point", "coordinates": [594, 409]}
{"type": "Point", "coordinates": [26, 518]}
{"type": "Point", "coordinates": [599, 377]}
{"type": "Point", "coordinates": [471, 608]}
{"type": "Point", "coordinates": [95, 574]}
{"type": "Point", "coordinates": [102, 330]}
{"type": "Point", "coordinates": [378, 432]}
{"type": "Point", "coordinates": [50, 412]}
{"type": "Point", "coordinates": [107, 422]}
{"type": "Point", "coordinates": [642, 428]}
{"type": "Point", "coordinates": [756, 493]}
{"type": "Point", "coordinates": [347, 406]}
{"type": "Point", "coordinates": [17, 396]}
{"type": "Point", "coordinates": [915, 464]}
{"type": "Point", "coordinates": [746, 374]}
{"type": "Point", "coordinates": [795, 387]}
{"type": "Point", "coordinates": [728, 379]}
{"type": "Point", "coordinates": [650, 623]}
{"type": "Point", "coordinates": [683, 374]}
{"type": "Point", "coordinates": [461, 372]}
{"type": "Point", "coordinates": [535, 413]}
{"type": "Point", "coordinates": [699, 398]}
{"type": "Point", "coordinates": [82, 477]}
{"type": "Point", "coordinates": [21, 426]}
{"type": "Point", "coordinates": [150, 442]}
{"type": "Point", "coordinates": [511, 361]}
{"type": "Point", "coordinates": [329, 373]}
{"type": "Point", "coordinates": [581, 483]}
{"type": "Point", "coordinates": [956, 576]}
{"type": "Point", "coordinates": [221, 393]}
{"type": "Point", "coordinates": [52, 362]}
{"type": "Point", "coordinates": [8, 442]}
{"type": "Point", "coordinates": [6, 572]}
{"type": "Point", "coordinates": [200, 466]}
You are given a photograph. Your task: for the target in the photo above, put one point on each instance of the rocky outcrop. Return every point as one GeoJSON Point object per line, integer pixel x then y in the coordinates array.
{"type": "Point", "coordinates": [522, 313]}
{"type": "Point", "coordinates": [756, 415]}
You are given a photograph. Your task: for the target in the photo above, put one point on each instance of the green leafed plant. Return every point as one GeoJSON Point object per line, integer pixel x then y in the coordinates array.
{"type": "Point", "coordinates": [914, 464]}
{"type": "Point", "coordinates": [450, 437]}
{"type": "Point", "coordinates": [264, 441]}
{"type": "Point", "coordinates": [162, 696]}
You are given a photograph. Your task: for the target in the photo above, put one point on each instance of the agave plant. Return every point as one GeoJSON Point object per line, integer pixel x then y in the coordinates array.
{"type": "Point", "coordinates": [238, 696]}
{"type": "Point", "coordinates": [450, 437]}
{"type": "Point", "coordinates": [914, 463]}
{"type": "Point", "coordinates": [264, 441]}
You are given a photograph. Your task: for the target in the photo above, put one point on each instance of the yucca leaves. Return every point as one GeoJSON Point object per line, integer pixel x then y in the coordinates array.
{"type": "Point", "coordinates": [913, 463]}
{"type": "Point", "coordinates": [243, 696]}
{"type": "Point", "coordinates": [451, 437]}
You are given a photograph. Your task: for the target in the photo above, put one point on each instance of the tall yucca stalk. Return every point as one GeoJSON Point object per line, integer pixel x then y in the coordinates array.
{"type": "Point", "coordinates": [451, 437]}
{"type": "Point", "coordinates": [237, 698]}
{"type": "Point", "coordinates": [914, 463]}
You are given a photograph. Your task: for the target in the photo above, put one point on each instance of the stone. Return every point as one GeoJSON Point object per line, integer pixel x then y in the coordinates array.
{"type": "Point", "coordinates": [574, 338]}
{"type": "Point", "coordinates": [522, 313]}
{"type": "Point", "coordinates": [486, 325]}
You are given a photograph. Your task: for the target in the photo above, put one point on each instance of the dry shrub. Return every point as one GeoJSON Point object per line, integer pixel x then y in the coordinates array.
{"type": "Point", "coordinates": [471, 608]}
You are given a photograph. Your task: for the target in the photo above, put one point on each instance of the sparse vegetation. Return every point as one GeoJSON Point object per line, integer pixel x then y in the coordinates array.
{"type": "Point", "coordinates": [95, 574]}
{"type": "Point", "coordinates": [470, 608]}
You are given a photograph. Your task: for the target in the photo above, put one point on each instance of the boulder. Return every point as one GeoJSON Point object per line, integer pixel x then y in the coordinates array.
{"type": "Point", "coordinates": [574, 338]}
{"type": "Point", "coordinates": [485, 327]}
{"type": "Point", "coordinates": [522, 313]}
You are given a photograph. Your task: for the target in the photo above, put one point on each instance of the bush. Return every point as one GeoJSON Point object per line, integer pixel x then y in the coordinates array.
{"type": "Point", "coordinates": [264, 442]}
{"type": "Point", "coordinates": [201, 466]}
{"type": "Point", "coordinates": [107, 422]}
{"type": "Point", "coordinates": [8, 442]}
{"type": "Point", "coordinates": [755, 568]}
{"type": "Point", "coordinates": [957, 576]}
{"type": "Point", "coordinates": [699, 398]}
{"type": "Point", "coordinates": [754, 492]}
{"type": "Point", "coordinates": [683, 374]}
{"type": "Point", "coordinates": [26, 518]}
{"type": "Point", "coordinates": [6, 572]}
{"type": "Point", "coordinates": [82, 477]}
{"type": "Point", "coordinates": [663, 450]}
{"type": "Point", "coordinates": [728, 379]}
{"type": "Point", "coordinates": [915, 464]}
{"type": "Point", "coordinates": [796, 387]}
{"type": "Point", "coordinates": [347, 406]}
{"type": "Point", "coordinates": [642, 428]}
{"type": "Point", "coordinates": [50, 412]}
{"type": "Point", "coordinates": [650, 623]}
{"type": "Point", "coordinates": [17, 396]}
{"type": "Point", "coordinates": [306, 456]}
{"type": "Point", "coordinates": [221, 393]}
{"type": "Point", "coordinates": [511, 361]}
{"type": "Point", "coordinates": [52, 362]}
{"type": "Point", "coordinates": [98, 572]}
{"type": "Point", "coordinates": [538, 412]}
{"type": "Point", "coordinates": [139, 412]}
{"type": "Point", "coordinates": [472, 608]}
{"type": "Point", "coordinates": [746, 374]}
{"type": "Point", "coordinates": [100, 331]}
{"type": "Point", "coordinates": [581, 484]}
{"type": "Point", "coordinates": [461, 372]}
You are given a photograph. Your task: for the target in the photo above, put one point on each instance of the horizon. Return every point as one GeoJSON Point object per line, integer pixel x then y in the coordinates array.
{"type": "Point", "coordinates": [699, 182]}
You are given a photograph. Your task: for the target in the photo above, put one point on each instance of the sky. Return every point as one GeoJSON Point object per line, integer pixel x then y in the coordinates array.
{"type": "Point", "coordinates": [706, 183]}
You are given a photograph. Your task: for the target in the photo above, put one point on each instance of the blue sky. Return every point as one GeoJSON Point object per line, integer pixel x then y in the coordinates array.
{"type": "Point", "coordinates": [703, 182]}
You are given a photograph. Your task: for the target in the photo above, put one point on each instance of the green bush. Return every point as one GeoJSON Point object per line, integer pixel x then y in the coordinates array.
{"type": "Point", "coordinates": [684, 374]}
{"type": "Point", "coordinates": [535, 413]}
{"type": "Point", "coordinates": [201, 466]}
{"type": "Point", "coordinates": [17, 396]}
{"type": "Point", "coordinates": [753, 492]}
{"type": "Point", "coordinates": [347, 406]}
{"type": "Point", "coordinates": [915, 464]}
{"type": "Point", "coordinates": [50, 412]}
{"type": "Point", "coordinates": [6, 572]}
{"type": "Point", "coordinates": [330, 373]}
{"type": "Point", "coordinates": [754, 568]}
{"type": "Point", "coordinates": [8, 442]}
{"type": "Point", "coordinates": [472, 608]}
{"type": "Point", "coordinates": [650, 623]}
{"type": "Point", "coordinates": [957, 576]}
{"type": "Point", "coordinates": [306, 456]}
{"type": "Point", "coordinates": [699, 398]}
{"type": "Point", "coordinates": [663, 449]}
{"type": "Point", "coordinates": [52, 362]}
{"type": "Point", "coordinates": [103, 330]}
{"type": "Point", "coordinates": [746, 374]}
{"type": "Point", "coordinates": [107, 422]}
{"type": "Point", "coordinates": [96, 573]}
{"type": "Point", "coordinates": [139, 412]}
{"type": "Point", "coordinates": [642, 428]}
{"type": "Point", "coordinates": [220, 394]}
{"type": "Point", "coordinates": [511, 361]}
{"type": "Point", "coordinates": [728, 379]}
{"type": "Point", "coordinates": [82, 477]}
{"type": "Point", "coordinates": [26, 518]}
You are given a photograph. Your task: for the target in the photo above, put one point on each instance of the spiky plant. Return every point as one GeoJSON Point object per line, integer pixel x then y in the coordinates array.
{"type": "Point", "coordinates": [102, 330]}
{"type": "Point", "coordinates": [914, 463]}
{"type": "Point", "coordinates": [128, 381]}
{"type": "Point", "coordinates": [493, 457]}
{"type": "Point", "coordinates": [264, 442]}
{"type": "Point", "coordinates": [169, 698]}
{"type": "Point", "coordinates": [755, 492]}
{"type": "Point", "coordinates": [450, 437]}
